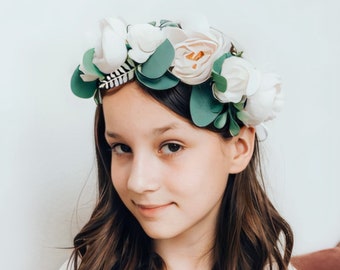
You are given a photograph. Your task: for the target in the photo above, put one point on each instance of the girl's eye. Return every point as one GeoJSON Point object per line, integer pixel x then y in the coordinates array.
{"type": "Point", "coordinates": [171, 148]}
{"type": "Point", "coordinates": [120, 148]}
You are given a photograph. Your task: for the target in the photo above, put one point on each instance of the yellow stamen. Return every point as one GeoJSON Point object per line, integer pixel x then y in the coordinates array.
{"type": "Point", "coordinates": [195, 57]}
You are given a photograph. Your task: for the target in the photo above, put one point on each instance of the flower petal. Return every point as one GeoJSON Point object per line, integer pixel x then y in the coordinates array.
{"type": "Point", "coordinates": [118, 25]}
{"type": "Point", "coordinates": [265, 103]}
{"type": "Point", "coordinates": [138, 56]}
{"type": "Point", "coordinates": [174, 35]}
{"type": "Point", "coordinates": [111, 53]}
{"type": "Point", "coordinates": [143, 39]}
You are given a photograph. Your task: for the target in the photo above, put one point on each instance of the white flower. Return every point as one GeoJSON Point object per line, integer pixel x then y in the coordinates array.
{"type": "Point", "coordinates": [242, 80]}
{"type": "Point", "coordinates": [111, 51]}
{"type": "Point", "coordinates": [265, 103]}
{"type": "Point", "coordinates": [197, 46]}
{"type": "Point", "coordinates": [144, 40]}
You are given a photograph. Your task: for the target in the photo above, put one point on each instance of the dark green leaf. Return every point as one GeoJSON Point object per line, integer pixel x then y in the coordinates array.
{"type": "Point", "coordinates": [217, 67]}
{"type": "Point", "coordinates": [159, 62]}
{"type": "Point", "coordinates": [204, 108]}
{"type": "Point", "coordinates": [167, 81]}
{"type": "Point", "coordinates": [80, 88]}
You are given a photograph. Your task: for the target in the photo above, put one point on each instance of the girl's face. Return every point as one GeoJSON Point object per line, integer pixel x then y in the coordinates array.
{"type": "Point", "coordinates": [169, 174]}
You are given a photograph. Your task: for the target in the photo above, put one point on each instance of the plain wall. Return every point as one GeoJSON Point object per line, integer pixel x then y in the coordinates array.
{"type": "Point", "coordinates": [47, 176]}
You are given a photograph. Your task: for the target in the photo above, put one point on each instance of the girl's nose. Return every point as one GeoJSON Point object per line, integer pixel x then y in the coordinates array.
{"type": "Point", "coordinates": [144, 175]}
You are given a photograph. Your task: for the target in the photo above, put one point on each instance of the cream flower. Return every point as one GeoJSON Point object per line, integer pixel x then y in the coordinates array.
{"type": "Point", "coordinates": [144, 40]}
{"type": "Point", "coordinates": [242, 80]}
{"type": "Point", "coordinates": [265, 103]}
{"type": "Point", "coordinates": [196, 49]}
{"type": "Point", "coordinates": [111, 51]}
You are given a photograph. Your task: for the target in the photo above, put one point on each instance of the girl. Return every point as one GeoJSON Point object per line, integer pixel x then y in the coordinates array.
{"type": "Point", "coordinates": [179, 181]}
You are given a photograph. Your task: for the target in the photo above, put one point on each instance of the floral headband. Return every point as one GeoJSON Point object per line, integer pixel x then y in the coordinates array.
{"type": "Point", "coordinates": [226, 89]}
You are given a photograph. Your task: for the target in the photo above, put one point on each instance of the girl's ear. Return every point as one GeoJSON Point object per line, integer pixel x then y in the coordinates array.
{"type": "Point", "coordinates": [243, 146]}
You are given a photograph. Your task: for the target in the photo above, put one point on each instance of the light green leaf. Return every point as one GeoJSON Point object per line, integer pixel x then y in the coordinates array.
{"type": "Point", "coordinates": [167, 81]}
{"type": "Point", "coordinates": [80, 88]}
{"type": "Point", "coordinates": [204, 108]}
{"type": "Point", "coordinates": [242, 116]}
{"type": "Point", "coordinates": [220, 82]}
{"type": "Point", "coordinates": [159, 62]}
{"type": "Point", "coordinates": [239, 106]}
{"type": "Point", "coordinates": [221, 120]}
{"type": "Point", "coordinates": [234, 128]}
{"type": "Point", "coordinates": [89, 66]}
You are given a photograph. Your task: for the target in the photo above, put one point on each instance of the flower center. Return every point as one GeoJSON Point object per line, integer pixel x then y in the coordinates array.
{"type": "Point", "coordinates": [195, 56]}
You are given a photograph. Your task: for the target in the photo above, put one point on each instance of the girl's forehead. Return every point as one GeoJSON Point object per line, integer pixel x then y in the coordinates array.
{"type": "Point", "coordinates": [130, 107]}
{"type": "Point", "coordinates": [131, 113]}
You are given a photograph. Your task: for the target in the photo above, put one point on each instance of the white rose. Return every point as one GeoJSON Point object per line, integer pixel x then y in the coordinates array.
{"type": "Point", "coordinates": [242, 80]}
{"type": "Point", "coordinates": [194, 56]}
{"type": "Point", "coordinates": [265, 103]}
{"type": "Point", "coordinates": [144, 40]}
{"type": "Point", "coordinates": [111, 51]}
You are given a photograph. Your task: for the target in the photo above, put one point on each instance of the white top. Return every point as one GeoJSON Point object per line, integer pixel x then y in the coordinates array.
{"type": "Point", "coordinates": [64, 266]}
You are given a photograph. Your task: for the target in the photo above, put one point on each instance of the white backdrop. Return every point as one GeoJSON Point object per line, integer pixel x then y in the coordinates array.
{"type": "Point", "coordinates": [46, 179]}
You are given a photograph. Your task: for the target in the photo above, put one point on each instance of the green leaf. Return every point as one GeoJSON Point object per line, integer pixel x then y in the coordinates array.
{"type": "Point", "coordinates": [80, 88]}
{"type": "Point", "coordinates": [217, 66]}
{"type": "Point", "coordinates": [163, 21]}
{"type": "Point", "coordinates": [204, 108]}
{"type": "Point", "coordinates": [220, 82]}
{"type": "Point", "coordinates": [89, 66]}
{"type": "Point", "coordinates": [221, 120]}
{"type": "Point", "coordinates": [167, 23]}
{"type": "Point", "coordinates": [159, 61]}
{"type": "Point", "coordinates": [242, 116]}
{"type": "Point", "coordinates": [167, 81]}
{"type": "Point", "coordinates": [239, 106]}
{"type": "Point", "coordinates": [234, 128]}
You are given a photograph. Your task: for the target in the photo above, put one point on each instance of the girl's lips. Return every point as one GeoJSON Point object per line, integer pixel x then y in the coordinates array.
{"type": "Point", "coordinates": [151, 210]}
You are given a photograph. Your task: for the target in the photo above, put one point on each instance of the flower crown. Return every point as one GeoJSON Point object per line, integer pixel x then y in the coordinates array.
{"type": "Point", "coordinates": [226, 89]}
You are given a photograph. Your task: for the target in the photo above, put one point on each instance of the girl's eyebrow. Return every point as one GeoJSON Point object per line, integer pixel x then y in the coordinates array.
{"type": "Point", "coordinates": [155, 132]}
{"type": "Point", "coordinates": [111, 134]}
{"type": "Point", "coordinates": [162, 130]}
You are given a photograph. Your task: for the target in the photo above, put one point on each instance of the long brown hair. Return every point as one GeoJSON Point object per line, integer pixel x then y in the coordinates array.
{"type": "Point", "coordinates": [250, 233]}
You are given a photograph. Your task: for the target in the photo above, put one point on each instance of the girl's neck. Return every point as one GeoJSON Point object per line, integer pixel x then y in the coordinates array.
{"type": "Point", "coordinates": [187, 252]}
